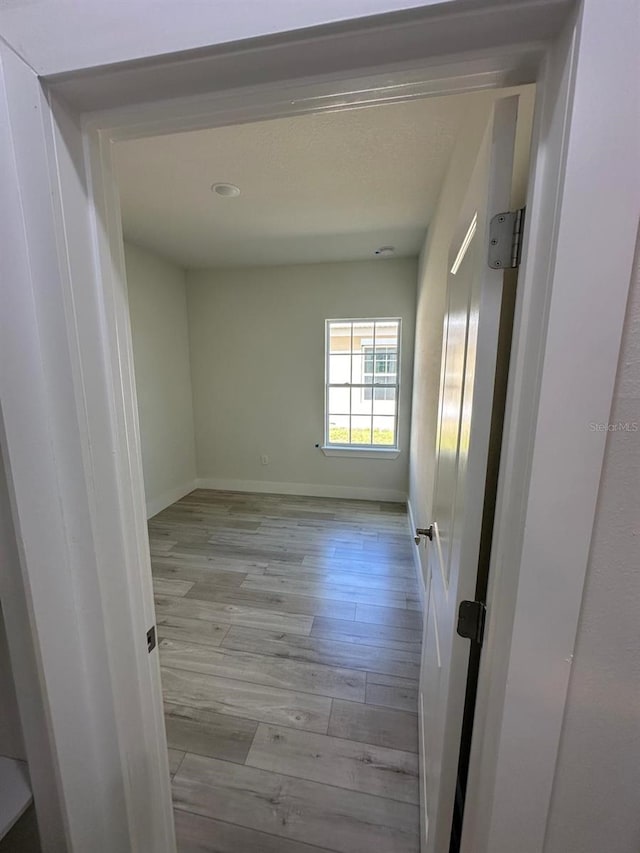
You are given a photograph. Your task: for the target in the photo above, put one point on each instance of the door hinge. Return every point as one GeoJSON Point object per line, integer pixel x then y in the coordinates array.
{"type": "Point", "coordinates": [505, 239]}
{"type": "Point", "coordinates": [151, 639]}
{"type": "Point", "coordinates": [471, 620]}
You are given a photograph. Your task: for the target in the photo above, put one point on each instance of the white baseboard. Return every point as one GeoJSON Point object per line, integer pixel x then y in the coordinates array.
{"type": "Point", "coordinates": [308, 489]}
{"type": "Point", "coordinates": [416, 555]}
{"type": "Point", "coordinates": [157, 504]}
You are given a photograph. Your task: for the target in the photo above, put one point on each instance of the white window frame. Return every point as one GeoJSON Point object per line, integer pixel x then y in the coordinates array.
{"type": "Point", "coordinates": [389, 451]}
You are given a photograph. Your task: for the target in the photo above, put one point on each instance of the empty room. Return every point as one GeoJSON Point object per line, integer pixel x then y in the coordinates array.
{"type": "Point", "coordinates": [300, 364]}
{"type": "Point", "coordinates": [318, 427]}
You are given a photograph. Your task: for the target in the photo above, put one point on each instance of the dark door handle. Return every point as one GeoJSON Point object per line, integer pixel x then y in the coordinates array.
{"type": "Point", "coordinates": [424, 531]}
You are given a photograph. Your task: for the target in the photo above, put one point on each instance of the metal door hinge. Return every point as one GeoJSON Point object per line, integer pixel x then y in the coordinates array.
{"type": "Point", "coordinates": [471, 620]}
{"type": "Point", "coordinates": [151, 639]}
{"type": "Point", "coordinates": [505, 239]}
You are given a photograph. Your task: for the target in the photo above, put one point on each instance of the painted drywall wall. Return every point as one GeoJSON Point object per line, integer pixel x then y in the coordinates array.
{"type": "Point", "coordinates": [257, 362]}
{"type": "Point", "coordinates": [432, 279]}
{"type": "Point", "coordinates": [11, 739]}
{"type": "Point", "coordinates": [431, 300]}
{"type": "Point", "coordinates": [158, 310]}
{"type": "Point", "coordinates": [595, 797]}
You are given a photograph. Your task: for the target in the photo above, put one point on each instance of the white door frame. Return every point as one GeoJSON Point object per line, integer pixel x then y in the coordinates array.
{"type": "Point", "coordinates": [71, 439]}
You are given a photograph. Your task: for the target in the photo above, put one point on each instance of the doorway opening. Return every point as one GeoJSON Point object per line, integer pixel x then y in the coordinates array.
{"type": "Point", "coordinates": [70, 410]}
{"type": "Point", "coordinates": [288, 598]}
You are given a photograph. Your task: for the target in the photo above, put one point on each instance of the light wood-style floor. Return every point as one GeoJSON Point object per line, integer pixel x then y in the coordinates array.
{"type": "Point", "coordinates": [289, 633]}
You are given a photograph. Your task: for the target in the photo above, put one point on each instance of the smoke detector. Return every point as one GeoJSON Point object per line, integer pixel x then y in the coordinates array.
{"type": "Point", "coordinates": [226, 190]}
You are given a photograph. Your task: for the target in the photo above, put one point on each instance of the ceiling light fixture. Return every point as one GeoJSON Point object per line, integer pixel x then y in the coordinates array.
{"type": "Point", "coordinates": [226, 190]}
{"type": "Point", "coordinates": [385, 251]}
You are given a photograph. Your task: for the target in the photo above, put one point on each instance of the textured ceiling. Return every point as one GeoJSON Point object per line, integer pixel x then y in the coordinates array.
{"type": "Point", "coordinates": [324, 187]}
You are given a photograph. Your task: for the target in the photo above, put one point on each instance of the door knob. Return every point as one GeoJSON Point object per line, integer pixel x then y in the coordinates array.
{"type": "Point", "coordinates": [423, 531]}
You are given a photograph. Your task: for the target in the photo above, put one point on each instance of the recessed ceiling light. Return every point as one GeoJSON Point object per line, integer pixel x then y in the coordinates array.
{"type": "Point", "coordinates": [385, 251]}
{"type": "Point", "coordinates": [226, 190]}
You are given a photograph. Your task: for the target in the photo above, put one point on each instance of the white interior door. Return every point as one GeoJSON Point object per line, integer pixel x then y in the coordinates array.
{"type": "Point", "coordinates": [470, 340]}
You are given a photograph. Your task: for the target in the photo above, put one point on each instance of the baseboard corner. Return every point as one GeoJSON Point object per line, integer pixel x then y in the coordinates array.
{"type": "Point", "coordinates": [160, 502]}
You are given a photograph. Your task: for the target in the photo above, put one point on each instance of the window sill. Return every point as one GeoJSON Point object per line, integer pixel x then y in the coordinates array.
{"type": "Point", "coordinates": [362, 453]}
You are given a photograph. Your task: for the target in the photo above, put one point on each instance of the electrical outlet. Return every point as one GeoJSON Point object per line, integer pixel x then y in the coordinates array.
{"type": "Point", "coordinates": [264, 459]}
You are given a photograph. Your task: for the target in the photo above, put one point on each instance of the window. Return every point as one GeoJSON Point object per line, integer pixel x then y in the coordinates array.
{"type": "Point", "coordinates": [362, 383]}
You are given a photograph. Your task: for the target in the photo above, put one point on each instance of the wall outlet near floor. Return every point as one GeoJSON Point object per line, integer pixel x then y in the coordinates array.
{"type": "Point", "coordinates": [264, 459]}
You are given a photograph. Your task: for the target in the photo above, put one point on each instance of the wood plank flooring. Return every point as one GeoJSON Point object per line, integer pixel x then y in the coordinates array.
{"type": "Point", "coordinates": [289, 637]}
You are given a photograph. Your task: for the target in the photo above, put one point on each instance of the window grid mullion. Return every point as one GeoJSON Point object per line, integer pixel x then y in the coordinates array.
{"type": "Point", "coordinates": [373, 378]}
{"type": "Point", "coordinates": [363, 385]}
{"type": "Point", "coordinates": [351, 377]}
{"type": "Point", "coordinates": [327, 363]}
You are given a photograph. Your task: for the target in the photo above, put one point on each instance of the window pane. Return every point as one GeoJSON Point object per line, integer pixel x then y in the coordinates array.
{"type": "Point", "coordinates": [386, 361]}
{"type": "Point", "coordinates": [360, 430]}
{"type": "Point", "coordinates": [339, 369]}
{"type": "Point", "coordinates": [361, 401]}
{"type": "Point", "coordinates": [339, 401]}
{"type": "Point", "coordinates": [384, 402]}
{"type": "Point", "coordinates": [362, 335]}
{"type": "Point", "coordinates": [383, 430]}
{"type": "Point", "coordinates": [338, 429]}
{"type": "Point", "coordinates": [362, 368]}
{"type": "Point", "coordinates": [340, 337]}
{"type": "Point", "coordinates": [387, 332]}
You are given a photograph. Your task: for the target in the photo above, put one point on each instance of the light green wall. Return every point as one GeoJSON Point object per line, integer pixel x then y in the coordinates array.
{"type": "Point", "coordinates": [11, 741]}
{"type": "Point", "coordinates": [158, 309]}
{"type": "Point", "coordinates": [257, 361]}
{"type": "Point", "coordinates": [432, 284]}
{"type": "Point", "coordinates": [595, 794]}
